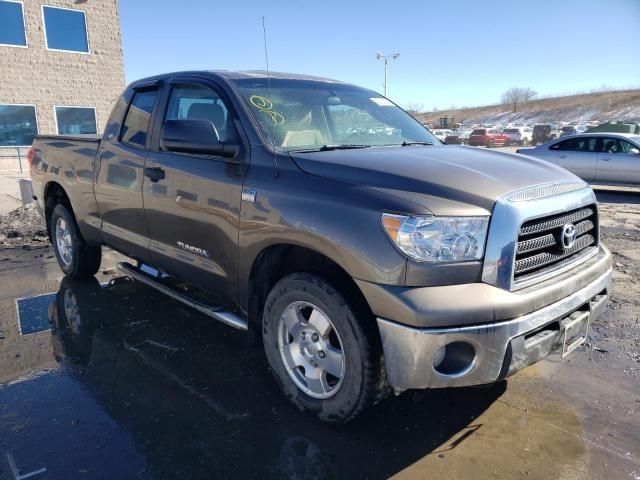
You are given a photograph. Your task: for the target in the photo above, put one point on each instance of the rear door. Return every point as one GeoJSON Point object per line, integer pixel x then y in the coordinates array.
{"type": "Point", "coordinates": [617, 163]}
{"type": "Point", "coordinates": [578, 155]}
{"type": "Point", "coordinates": [119, 174]}
{"type": "Point", "coordinates": [193, 211]}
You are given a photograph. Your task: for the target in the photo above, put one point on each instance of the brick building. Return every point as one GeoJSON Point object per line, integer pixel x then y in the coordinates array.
{"type": "Point", "coordinates": [61, 68]}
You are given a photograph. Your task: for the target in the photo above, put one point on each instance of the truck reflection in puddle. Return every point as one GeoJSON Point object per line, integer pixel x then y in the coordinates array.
{"type": "Point", "coordinates": [197, 401]}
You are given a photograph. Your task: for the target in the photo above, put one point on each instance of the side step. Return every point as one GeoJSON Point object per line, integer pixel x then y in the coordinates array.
{"type": "Point", "coordinates": [211, 311]}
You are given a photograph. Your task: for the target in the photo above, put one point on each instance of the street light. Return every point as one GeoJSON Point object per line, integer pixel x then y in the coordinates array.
{"type": "Point", "coordinates": [386, 58]}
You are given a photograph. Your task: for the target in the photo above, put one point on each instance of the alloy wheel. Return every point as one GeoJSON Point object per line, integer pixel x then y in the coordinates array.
{"type": "Point", "coordinates": [311, 350]}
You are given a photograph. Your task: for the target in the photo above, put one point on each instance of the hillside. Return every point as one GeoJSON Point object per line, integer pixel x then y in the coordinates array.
{"type": "Point", "coordinates": [623, 105]}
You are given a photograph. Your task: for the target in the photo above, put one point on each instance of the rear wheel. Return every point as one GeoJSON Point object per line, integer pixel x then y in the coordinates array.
{"type": "Point", "coordinates": [491, 144]}
{"type": "Point", "coordinates": [76, 258]}
{"type": "Point", "coordinates": [325, 359]}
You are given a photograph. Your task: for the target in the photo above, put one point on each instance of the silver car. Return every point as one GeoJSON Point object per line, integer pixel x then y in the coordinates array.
{"type": "Point", "coordinates": [598, 158]}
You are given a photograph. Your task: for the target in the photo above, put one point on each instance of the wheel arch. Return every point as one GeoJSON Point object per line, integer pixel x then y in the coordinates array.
{"type": "Point", "coordinates": [54, 193]}
{"type": "Point", "coordinates": [278, 260]}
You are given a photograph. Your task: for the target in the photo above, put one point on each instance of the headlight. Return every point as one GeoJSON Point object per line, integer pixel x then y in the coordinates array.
{"type": "Point", "coordinates": [437, 239]}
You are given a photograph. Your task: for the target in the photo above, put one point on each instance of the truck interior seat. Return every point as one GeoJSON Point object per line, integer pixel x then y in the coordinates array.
{"type": "Point", "coordinates": [300, 138]}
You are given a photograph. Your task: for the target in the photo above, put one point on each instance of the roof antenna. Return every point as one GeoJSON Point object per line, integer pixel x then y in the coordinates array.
{"type": "Point", "coordinates": [266, 60]}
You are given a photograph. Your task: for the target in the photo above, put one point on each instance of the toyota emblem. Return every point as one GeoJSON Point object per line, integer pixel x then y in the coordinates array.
{"type": "Point", "coordinates": [568, 236]}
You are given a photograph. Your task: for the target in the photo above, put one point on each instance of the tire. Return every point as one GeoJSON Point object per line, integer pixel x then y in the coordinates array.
{"type": "Point", "coordinates": [76, 258]}
{"type": "Point", "coordinates": [339, 393]}
{"type": "Point", "coordinates": [491, 144]}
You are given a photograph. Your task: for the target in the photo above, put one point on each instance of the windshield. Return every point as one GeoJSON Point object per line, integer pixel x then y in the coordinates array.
{"type": "Point", "coordinates": [305, 114]}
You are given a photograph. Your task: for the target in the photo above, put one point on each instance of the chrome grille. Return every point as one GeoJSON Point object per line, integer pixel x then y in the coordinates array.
{"type": "Point", "coordinates": [540, 244]}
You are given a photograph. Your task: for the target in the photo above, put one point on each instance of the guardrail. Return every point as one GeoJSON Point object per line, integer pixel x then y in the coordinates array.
{"type": "Point", "coordinates": [15, 153]}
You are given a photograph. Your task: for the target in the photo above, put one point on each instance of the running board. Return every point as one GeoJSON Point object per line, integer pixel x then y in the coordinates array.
{"type": "Point", "coordinates": [214, 312]}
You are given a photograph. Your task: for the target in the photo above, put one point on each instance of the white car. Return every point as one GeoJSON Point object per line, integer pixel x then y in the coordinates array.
{"type": "Point", "coordinates": [442, 133]}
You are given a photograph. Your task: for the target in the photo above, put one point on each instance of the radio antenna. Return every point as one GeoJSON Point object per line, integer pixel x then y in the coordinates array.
{"type": "Point", "coordinates": [266, 60]}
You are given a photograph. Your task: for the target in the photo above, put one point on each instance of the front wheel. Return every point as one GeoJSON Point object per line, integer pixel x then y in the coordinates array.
{"type": "Point", "coordinates": [76, 258]}
{"type": "Point", "coordinates": [324, 356]}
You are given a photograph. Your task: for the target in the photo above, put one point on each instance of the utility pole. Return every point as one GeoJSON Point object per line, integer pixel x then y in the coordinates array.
{"type": "Point", "coordinates": [386, 59]}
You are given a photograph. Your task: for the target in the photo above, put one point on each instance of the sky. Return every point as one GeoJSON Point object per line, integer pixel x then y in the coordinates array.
{"type": "Point", "coordinates": [452, 53]}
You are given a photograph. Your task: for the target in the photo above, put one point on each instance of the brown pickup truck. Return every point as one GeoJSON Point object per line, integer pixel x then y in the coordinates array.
{"type": "Point", "coordinates": [321, 217]}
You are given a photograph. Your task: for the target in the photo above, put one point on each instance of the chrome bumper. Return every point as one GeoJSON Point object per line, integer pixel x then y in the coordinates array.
{"type": "Point", "coordinates": [501, 348]}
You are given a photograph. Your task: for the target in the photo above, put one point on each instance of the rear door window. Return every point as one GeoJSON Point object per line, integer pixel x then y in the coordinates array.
{"type": "Point", "coordinates": [135, 128]}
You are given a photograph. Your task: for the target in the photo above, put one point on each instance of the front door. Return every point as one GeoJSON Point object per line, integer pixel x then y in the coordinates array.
{"type": "Point", "coordinates": [578, 155]}
{"type": "Point", "coordinates": [193, 211]}
{"type": "Point", "coordinates": [617, 162]}
{"type": "Point", "coordinates": [119, 178]}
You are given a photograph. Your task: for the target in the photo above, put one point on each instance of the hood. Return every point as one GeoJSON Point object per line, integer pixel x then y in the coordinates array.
{"type": "Point", "coordinates": [463, 175]}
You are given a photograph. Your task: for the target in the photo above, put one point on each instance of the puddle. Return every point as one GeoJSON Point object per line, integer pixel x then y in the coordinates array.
{"type": "Point", "coordinates": [147, 388]}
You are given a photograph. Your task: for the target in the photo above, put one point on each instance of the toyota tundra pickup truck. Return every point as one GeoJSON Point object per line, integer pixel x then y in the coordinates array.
{"type": "Point", "coordinates": [368, 256]}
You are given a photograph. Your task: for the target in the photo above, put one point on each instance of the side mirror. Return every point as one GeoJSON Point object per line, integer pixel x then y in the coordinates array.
{"type": "Point", "coordinates": [634, 151]}
{"type": "Point", "coordinates": [195, 136]}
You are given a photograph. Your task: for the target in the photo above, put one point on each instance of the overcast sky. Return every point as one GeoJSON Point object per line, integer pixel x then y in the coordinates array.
{"type": "Point", "coordinates": [459, 53]}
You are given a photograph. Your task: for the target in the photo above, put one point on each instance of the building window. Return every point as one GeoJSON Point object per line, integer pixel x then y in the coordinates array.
{"type": "Point", "coordinates": [76, 120]}
{"type": "Point", "coordinates": [65, 29]}
{"type": "Point", "coordinates": [18, 125]}
{"type": "Point", "coordinates": [12, 30]}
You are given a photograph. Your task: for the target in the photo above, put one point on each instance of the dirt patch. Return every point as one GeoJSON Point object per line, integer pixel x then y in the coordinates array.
{"type": "Point", "coordinates": [23, 227]}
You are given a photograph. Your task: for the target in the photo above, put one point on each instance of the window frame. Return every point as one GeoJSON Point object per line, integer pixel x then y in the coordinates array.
{"type": "Point", "coordinates": [35, 111]}
{"type": "Point", "coordinates": [24, 27]}
{"type": "Point", "coordinates": [44, 30]}
{"type": "Point", "coordinates": [141, 88]}
{"type": "Point", "coordinates": [55, 116]}
{"type": "Point", "coordinates": [162, 107]}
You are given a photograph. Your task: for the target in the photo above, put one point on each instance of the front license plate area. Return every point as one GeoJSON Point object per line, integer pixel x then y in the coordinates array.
{"type": "Point", "coordinates": [574, 331]}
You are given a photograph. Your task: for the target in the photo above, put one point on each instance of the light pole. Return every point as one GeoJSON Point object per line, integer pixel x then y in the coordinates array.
{"type": "Point", "coordinates": [386, 58]}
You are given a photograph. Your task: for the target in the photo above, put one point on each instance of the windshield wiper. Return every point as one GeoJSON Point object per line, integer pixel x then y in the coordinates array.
{"type": "Point", "coordinates": [326, 148]}
{"type": "Point", "coordinates": [408, 144]}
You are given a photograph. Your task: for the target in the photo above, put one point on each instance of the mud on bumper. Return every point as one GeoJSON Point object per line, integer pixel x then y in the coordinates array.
{"type": "Point", "coordinates": [482, 354]}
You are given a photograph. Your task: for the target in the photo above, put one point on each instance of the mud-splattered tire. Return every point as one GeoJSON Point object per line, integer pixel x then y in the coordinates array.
{"type": "Point", "coordinates": [76, 258]}
{"type": "Point", "coordinates": [307, 328]}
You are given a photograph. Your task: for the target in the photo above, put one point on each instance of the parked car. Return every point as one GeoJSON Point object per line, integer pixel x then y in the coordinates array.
{"type": "Point", "coordinates": [487, 137]}
{"type": "Point", "coordinates": [459, 137]}
{"type": "Point", "coordinates": [598, 158]}
{"type": "Point", "coordinates": [568, 130]}
{"type": "Point", "coordinates": [543, 133]}
{"type": "Point", "coordinates": [442, 133]}
{"type": "Point", "coordinates": [367, 263]}
{"type": "Point", "coordinates": [518, 135]}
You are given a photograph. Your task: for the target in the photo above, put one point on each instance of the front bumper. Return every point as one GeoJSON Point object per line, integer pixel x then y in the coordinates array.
{"type": "Point", "coordinates": [499, 348]}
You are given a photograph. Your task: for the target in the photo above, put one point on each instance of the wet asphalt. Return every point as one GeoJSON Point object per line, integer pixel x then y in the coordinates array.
{"type": "Point", "coordinates": [109, 379]}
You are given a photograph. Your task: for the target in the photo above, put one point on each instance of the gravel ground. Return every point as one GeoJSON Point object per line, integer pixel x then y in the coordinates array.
{"type": "Point", "coordinates": [23, 227]}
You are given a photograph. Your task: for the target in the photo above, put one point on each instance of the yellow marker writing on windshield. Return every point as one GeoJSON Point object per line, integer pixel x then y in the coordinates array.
{"type": "Point", "coordinates": [265, 106]}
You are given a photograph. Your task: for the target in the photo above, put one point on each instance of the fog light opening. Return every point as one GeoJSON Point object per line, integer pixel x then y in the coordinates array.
{"type": "Point", "coordinates": [454, 359]}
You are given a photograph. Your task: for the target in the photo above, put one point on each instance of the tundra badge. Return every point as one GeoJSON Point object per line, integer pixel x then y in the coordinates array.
{"type": "Point", "coordinates": [198, 251]}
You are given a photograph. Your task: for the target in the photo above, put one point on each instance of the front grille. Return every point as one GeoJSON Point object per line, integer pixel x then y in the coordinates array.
{"type": "Point", "coordinates": [540, 243]}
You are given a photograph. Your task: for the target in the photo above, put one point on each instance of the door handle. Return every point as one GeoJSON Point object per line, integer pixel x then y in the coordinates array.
{"type": "Point", "coordinates": [562, 156]}
{"type": "Point", "coordinates": [154, 173]}
{"type": "Point", "coordinates": [606, 159]}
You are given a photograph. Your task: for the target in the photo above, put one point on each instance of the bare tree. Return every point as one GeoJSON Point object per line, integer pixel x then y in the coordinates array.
{"type": "Point", "coordinates": [415, 108]}
{"type": "Point", "coordinates": [516, 96]}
